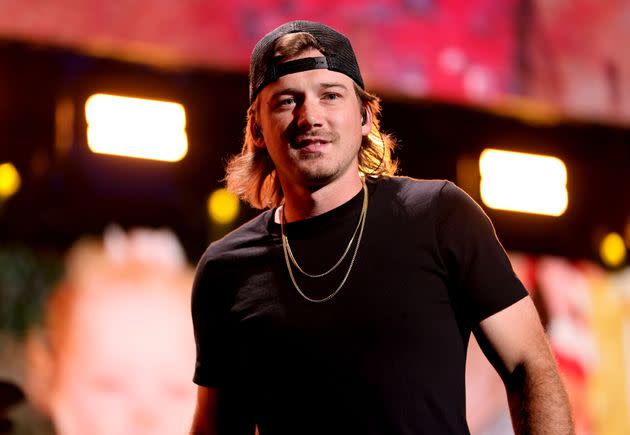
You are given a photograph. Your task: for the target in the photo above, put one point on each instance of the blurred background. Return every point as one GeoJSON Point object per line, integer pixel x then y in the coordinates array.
{"type": "Point", "coordinates": [125, 113]}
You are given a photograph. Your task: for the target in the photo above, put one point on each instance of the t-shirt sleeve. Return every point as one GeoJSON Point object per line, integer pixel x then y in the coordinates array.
{"type": "Point", "coordinates": [214, 335]}
{"type": "Point", "coordinates": [210, 315]}
{"type": "Point", "coordinates": [476, 262]}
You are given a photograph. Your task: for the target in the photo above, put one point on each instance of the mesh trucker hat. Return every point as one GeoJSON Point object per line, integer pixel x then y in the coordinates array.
{"type": "Point", "coordinates": [338, 56]}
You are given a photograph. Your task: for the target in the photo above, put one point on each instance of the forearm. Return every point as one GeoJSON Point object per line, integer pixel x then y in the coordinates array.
{"type": "Point", "coordinates": [538, 400]}
{"type": "Point", "coordinates": [205, 416]}
{"type": "Point", "coordinates": [201, 426]}
{"type": "Point", "coordinates": [216, 413]}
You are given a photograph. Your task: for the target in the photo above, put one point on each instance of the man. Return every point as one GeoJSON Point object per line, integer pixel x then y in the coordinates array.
{"type": "Point", "coordinates": [116, 338]}
{"type": "Point", "coordinates": [346, 308]}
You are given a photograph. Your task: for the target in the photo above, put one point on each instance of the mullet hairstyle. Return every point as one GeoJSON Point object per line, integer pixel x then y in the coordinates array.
{"type": "Point", "coordinates": [251, 174]}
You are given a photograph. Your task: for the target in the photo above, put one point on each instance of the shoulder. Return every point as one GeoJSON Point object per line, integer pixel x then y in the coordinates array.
{"type": "Point", "coordinates": [455, 204]}
{"type": "Point", "coordinates": [240, 241]}
{"type": "Point", "coordinates": [223, 258]}
{"type": "Point", "coordinates": [439, 200]}
{"type": "Point", "coordinates": [411, 186]}
{"type": "Point", "coordinates": [411, 194]}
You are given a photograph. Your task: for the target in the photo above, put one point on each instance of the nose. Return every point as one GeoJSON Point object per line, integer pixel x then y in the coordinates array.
{"type": "Point", "coordinates": [309, 114]}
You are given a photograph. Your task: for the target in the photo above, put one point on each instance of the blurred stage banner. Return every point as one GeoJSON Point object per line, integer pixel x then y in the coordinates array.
{"type": "Point", "coordinates": [555, 57]}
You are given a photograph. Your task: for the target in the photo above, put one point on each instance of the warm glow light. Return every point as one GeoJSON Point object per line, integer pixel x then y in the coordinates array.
{"type": "Point", "coordinates": [134, 127]}
{"type": "Point", "coordinates": [223, 206]}
{"type": "Point", "coordinates": [9, 180]}
{"type": "Point", "coordinates": [522, 182]}
{"type": "Point", "coordinates": [612, 250]}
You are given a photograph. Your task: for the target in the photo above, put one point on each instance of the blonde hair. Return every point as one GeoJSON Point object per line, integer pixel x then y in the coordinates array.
{"type": "Point", "coordinates": [251, 174]}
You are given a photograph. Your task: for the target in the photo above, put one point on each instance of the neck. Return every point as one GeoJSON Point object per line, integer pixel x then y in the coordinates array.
{"type": "Point", "coordinates": [302, 202]}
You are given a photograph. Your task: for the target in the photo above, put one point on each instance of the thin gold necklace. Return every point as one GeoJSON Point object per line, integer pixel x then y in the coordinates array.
{"type": "Point", "coordinates": [290, 258]}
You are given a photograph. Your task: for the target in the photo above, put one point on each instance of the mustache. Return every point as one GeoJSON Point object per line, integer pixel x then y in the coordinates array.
{"type": "Point", "coordinates": [303, 138]}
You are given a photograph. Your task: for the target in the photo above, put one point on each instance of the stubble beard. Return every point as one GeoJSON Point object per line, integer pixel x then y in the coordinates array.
{"type": "Point", "coordinates": [321, 167]}
{"type": "Point", "coordinates": [313, 167]}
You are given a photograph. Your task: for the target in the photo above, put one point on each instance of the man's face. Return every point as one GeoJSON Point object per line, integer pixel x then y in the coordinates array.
{"type": "Point", "coordinates": [125, 367]}
{"type": "Point", "coordinates": [311, 125]}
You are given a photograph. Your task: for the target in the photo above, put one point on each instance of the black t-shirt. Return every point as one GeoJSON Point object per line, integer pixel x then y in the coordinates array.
{"type": "Point", "coordinates": [387, 354]}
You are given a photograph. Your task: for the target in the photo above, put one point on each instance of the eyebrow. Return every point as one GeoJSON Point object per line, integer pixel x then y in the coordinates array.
{"type": "Point", "coordinates": [333, 85]}
{"type": "Point", "coordinates": [292, 91]}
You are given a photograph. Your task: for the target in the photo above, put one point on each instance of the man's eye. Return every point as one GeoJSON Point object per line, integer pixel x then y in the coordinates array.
{"type": "Point", "coordinates": [331, 96]}
{"type": "Point", "coordinates": [286, 101]}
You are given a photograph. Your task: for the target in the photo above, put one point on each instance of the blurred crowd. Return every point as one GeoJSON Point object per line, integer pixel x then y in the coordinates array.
{"type": "Point", "coordinates": [113, 350]}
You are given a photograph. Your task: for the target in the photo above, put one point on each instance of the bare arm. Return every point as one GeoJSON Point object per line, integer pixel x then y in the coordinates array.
{"type": "Point", "coordinates": [205, 418]}
{"type": "Point", "coordinates": [515, 343]}
{"type": "Point", "coordinates": [217, 414]}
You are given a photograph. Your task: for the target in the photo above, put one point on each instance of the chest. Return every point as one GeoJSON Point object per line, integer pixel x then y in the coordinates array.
{"type": "Point", "coordinates": [395, 290]}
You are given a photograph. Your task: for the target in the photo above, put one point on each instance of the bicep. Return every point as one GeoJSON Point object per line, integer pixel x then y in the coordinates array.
{"type": "Point", "coordinates": [514, 337]}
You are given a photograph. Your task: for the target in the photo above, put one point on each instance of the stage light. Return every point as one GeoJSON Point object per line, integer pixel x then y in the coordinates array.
{"type": "Point", "coordinates": [521, 182]}
{"type": "Point", "coordinates": [223, 206]}
{"type": "Point", "coordinates": [612, 250]}
{"type": "Point", "coordinates": [9, 180]}
{"type": "Point", "coordinates": [135, 127]}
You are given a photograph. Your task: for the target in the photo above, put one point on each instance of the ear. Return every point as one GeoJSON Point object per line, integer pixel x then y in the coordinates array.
{"type": "Point", "coordinates": [257, 135]}
{"type": "Point", "coordinates": [366, 120]}
{"type": "Point", "coordinates": [254, 129]}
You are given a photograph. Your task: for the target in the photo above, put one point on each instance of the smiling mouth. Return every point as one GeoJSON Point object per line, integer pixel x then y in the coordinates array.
{"type": "Point", "coordinates": [310, 145]}
{"type": "Point", "coordinates": [313, 140]}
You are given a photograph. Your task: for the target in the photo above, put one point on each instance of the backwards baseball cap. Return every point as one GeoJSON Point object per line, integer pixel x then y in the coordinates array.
{"type": "Point", "coordinates": [338, 56]}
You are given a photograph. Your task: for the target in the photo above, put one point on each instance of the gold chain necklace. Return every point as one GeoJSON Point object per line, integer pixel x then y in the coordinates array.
{"type": "Point", "coordinates": [290, 258]}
